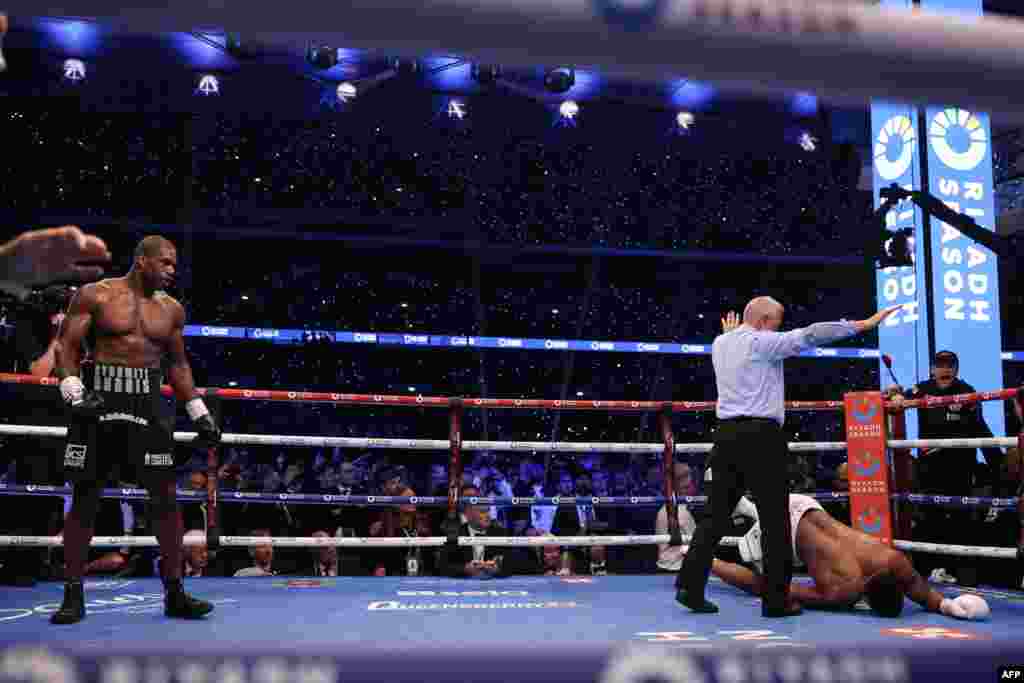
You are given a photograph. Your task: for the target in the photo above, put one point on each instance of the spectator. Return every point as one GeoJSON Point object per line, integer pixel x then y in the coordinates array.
{"type": "Point", "coordinates": [584, 519]}
{"type": "Point", "coordinates": [197, 557]}
{"type": "Point", "coordinates": [549, 560]}
{"type": "Point", "coordinates": [949, 471]}
{"type": "Point", "coordinates": [193, 514]}
{"type": "Point", "coordinates": [478, 561]}
{"type": "Point", "coordinates": [325, 558]}
{"type": "Point", "coordinates": [262, 558]}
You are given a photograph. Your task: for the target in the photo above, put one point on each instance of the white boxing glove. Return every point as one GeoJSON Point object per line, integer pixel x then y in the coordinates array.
{"type": "Point", "coordinates": [750, 548]}
{"type": "Point", "coordinates": [967, 606]}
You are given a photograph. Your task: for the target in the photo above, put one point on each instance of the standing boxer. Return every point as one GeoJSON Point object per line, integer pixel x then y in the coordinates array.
{"type": "Point", "coordinates": [131, 324]}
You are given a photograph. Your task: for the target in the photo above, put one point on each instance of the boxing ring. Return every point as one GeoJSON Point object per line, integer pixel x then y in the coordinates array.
{"type": "Point", "coordinates": [529, 628]}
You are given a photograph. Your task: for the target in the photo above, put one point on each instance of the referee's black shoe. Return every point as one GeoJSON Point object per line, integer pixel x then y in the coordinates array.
{"type": "Point", "coordinates": [695, 604]}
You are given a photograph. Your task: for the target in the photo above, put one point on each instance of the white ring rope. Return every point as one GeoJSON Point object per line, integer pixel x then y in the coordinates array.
{"type": "Point", "coordinates": [464, 541]}
{"type": "Point", "coordinates": [430, 444]}
{"type": "Point", "coordinates": [991, 442]}
{"type": "Point", "coordinates": [403, 542]}
{"type": "Point", "coordinates": [959, 550]}
{"type": "Point", "coordinates": [556, 446]}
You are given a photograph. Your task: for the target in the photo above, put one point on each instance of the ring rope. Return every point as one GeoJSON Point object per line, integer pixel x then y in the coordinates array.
{"type": "Point", "coordinates": [283, 440]}
{"type": "Point", "coordinates": [555, 446]}
{"type": "Point", "coordinates": [441, 401]}
{"type": "Point", "coordinates": [464, 541]}
{"type": "Point", "coordinates": [524, 404]}
{"type": "Point", "coordinates": [364, 542]}
{"type": "Point", "coordinates": [343, 500]}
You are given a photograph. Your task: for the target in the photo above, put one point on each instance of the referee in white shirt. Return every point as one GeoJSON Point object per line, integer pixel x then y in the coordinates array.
{"type": "Point", "coordinates": [751, 452]}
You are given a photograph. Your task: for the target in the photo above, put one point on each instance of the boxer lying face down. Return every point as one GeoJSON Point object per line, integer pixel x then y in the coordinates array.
{"type": "Point", "coordinates": [846, 565]}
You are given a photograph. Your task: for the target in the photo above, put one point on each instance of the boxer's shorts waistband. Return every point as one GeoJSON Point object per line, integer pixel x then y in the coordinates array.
{"type": "Point", "coordinates": [122, 379]}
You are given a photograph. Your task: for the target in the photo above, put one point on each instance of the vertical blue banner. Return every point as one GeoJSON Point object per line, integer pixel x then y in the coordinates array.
{"type": "Point", "coordinates": [895, 159]}
{"type": "Point", "coordinates": [965, 275]}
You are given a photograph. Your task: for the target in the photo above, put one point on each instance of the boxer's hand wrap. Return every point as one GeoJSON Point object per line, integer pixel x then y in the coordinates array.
{"type": "Point", "coordinates": [208, 434]}
{"type": "Point", "coordinates": [196, 409]}
{"type": "Point", "coordinates": [82, 402]}
{"type": "Point", "coordinates": [72, 389]}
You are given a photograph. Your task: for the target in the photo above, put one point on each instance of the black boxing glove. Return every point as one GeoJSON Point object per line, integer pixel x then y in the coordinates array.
{"type": "Point", "coordinates": [83, 403]}
{"type": "Point", "coordinates": [208, 434]}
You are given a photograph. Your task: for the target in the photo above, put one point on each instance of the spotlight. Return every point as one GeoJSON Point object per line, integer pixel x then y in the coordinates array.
{"type": "Point", "coordinates": [808, 142]}
{"type": "Point", "coordinates": [346, 92]}
{"type": "Point", "coordinates": [485, 74]}
{"type": "Point", "coordinates": [684, 119]}
{"type": "Point", "coordinates": [559, 80]}
{"type": "Point", "coordinates": [321, 56]}
{"type": "Point", "coordinates": [74, 70]}
{"type": "Point", "coordinates": [569, 109]}
{"type": "Point", "coordinates": [456, 110]}
{"type": "Point", "coordinates": [209, 86]}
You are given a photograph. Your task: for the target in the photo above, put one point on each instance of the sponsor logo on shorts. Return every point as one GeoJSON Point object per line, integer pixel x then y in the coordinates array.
{"type": "Point", "coordinates": [124, 417]}
{"type": "Point", "coordinates": [74, 456]}
{"type": "Point", "coordinates": [159, 459]}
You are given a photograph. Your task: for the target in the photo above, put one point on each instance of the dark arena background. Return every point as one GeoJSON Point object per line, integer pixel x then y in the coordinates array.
{"type": "Point", "coordinates": [451, 277]}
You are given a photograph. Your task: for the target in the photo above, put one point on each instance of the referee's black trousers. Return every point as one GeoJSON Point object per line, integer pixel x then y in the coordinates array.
{"type": "Point", "coordinates": [750, 454]}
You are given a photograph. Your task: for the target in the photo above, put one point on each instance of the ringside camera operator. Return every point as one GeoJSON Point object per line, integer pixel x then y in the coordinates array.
{"type": "Point", "coordinates": [37, 318]}
{"type": "Point", "coordinates": [950, 471]}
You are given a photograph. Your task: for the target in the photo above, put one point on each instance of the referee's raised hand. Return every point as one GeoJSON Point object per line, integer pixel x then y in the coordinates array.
{"type": "Point", "coordinates": [875, 320]}
{"type": "Point", "coordinates": [730, 322]}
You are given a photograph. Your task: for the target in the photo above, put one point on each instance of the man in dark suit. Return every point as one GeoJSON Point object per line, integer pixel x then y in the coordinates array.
{"type": "Point", "coordinates": [584, 519]}
{"type": "Point", "coordinates": [477, 561]}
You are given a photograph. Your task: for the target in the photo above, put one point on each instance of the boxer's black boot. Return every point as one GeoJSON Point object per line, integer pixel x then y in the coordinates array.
{"type": "Point", "coordinates": [181, 605]}
{"type": "Point", "coordinates": [72, 610]}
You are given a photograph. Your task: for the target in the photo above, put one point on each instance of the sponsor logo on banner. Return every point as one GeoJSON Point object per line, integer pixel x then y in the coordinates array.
{"type": "Point", "coordinates": [416, 339]}
{"type": "Point", "coordinates": [870, 522]}
{"type": "Point", "coordinates": [395, 605]}
{"type": "Point", "coordinates": [578, 579]}
{"type": "Point", "coordinates": [214, 331]}
{"type": "Point", "coordinates": [462, 594]}
{"type": "Point", "coordinates": [101, 585]}
{"type": "Point", "coordinates": [555, 344]}
{"type": "Point", "coordinates": [932, 633]}
{"type": "Point", "coordinates": [896, 134]}
{"type": "Point", "coordinates": [126, 602]}
{"type": "Point", "coordinates": [866, 464]}
{"type": "Point", "coordinates": [304, 583]}
{"type": "Point", "coordinates": [864, 413]}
